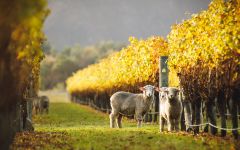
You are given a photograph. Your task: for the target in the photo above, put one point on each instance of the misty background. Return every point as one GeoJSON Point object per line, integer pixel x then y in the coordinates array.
{"type": "Point", "coordinates": [80, 32]}
{"type": "Point", "coordinates": [87, 22]}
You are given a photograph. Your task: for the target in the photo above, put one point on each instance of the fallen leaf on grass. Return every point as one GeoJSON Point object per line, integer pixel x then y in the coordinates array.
{"type": "Point", "coordinates": [41, 140]}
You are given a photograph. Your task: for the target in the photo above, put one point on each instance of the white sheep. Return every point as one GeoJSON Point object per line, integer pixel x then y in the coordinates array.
{"type": "Point", "coordinates": [129, 104]}
{"type": "Point", "coordinates": [170, 108]}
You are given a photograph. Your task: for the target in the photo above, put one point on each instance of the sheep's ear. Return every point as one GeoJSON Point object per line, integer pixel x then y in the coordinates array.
{"type": "Point", "coordinates": [157, 89]}
{"type": "Point", "coordinates": [164, 89]}
{"type": "Point", "coordinates": [142, 88]}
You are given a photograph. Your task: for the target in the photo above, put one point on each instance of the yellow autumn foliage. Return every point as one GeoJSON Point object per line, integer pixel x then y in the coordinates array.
{"type": "Point", "coordinates": [26, 37]}
{"type": "Point", "coordinates": [206, 44]}
{"type": "Point", "coordinates": [137, 63]}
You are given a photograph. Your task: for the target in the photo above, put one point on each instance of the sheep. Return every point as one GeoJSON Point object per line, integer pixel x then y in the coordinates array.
{"type": "Point", "coordinates": [44, 104]}
{"type": "Point", "coordinates": [129, 104]}
{"type": "Point", "coordinates": [170, 108]}
{"type": "Point", "coordinates": [36, 105]}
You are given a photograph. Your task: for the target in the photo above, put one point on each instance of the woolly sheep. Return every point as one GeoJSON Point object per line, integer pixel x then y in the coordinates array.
{"type": "Point", "coordinates": [170, 108]}
{"type": "Point", "coordinates": [129, 104]}
{"type": "Point", "coordinates": [44, 104]}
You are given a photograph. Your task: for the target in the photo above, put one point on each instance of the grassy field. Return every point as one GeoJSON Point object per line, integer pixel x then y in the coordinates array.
{"type": "Point", "coordinates": [73, 126]}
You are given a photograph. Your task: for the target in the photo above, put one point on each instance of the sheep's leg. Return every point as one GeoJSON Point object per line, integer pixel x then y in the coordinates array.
{"type": "Point", "coordinates": [182, 119]}
{"type": "Point", "coordinates": [112, 117]}
{"type": "Point", "coordinates": [177, 124]}
{"type": "Point", "coordinates": [37, 111]}
{"type": "Point", "coordinates": [139, 123]}
{"type": "Point", "coordinates": [119, 121]}
{"type": "Point", "coordinates": [162, 121]}
{"type": "Point", "coordinates": [139, 119]}
{"type": "Point", "coordinates": [41, 110]}
{"type": "Point", "coordinates": [170, 124]}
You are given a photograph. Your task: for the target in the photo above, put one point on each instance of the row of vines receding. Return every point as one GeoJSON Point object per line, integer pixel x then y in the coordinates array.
{"type": "Point", "coordinates": [204, 59]}
{"type": "Point", "coordinates": [128, 69]}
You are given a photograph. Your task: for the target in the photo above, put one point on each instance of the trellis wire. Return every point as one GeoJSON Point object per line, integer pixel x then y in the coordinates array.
{"type": "Point", "coordinates": [153, 113]}
{"type": "Point", "coordinates": [208, 123]}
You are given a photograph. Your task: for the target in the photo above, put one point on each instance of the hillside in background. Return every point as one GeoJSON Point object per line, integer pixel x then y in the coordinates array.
{"type": "Point", "coordinates": [87, 22]}
{"type": "Point", "coordinates": [58, 65]}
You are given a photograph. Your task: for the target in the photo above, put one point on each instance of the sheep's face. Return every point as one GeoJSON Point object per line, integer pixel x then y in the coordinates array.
{"type": "Point", "coordinates": [148, 90]}
{"type": "Point", "coordinates": [172, 92]}
{"type": "Point", "coordinates": [163, 95]}
{"type": "Point", "coordinates": [163, 92]}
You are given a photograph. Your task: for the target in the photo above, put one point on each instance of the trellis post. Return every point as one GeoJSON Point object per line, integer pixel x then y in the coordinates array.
{"type": "Point", "coordinates": [163, 76]}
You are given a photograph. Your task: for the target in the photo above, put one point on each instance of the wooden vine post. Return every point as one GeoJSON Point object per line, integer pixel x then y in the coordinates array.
{"type": "Point", "coordinates": [163, 75]}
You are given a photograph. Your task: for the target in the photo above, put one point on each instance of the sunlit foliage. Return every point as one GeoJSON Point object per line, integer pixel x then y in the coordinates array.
{"type": "Point", "coordinates": [134, 65]}
{"type": "Point", "coordinates": [21, 35]}
{"type": "Point", "coordinates": [22, 30]}
{"type": "Point", "coordinates": [205, 49]}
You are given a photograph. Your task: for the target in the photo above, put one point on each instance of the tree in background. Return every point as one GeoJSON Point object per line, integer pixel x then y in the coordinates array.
{"type": "Point", "coordinates": [57, 66]}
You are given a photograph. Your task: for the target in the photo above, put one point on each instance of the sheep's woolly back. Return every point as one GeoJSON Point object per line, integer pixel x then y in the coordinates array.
{"type": "Point", "coordinates": [129, 103]}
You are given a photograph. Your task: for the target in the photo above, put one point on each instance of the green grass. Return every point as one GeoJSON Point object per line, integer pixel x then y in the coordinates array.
{"type": "Point", "coordinates": [70, 115]}
{"type": "Point", "coordinates": [73, 126]}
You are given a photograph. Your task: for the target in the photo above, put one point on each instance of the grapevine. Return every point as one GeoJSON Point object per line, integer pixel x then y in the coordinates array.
{"type": "Point", "coordinates": [133, 66]}
{"type": "Point", "coordinates": [206, 49]}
